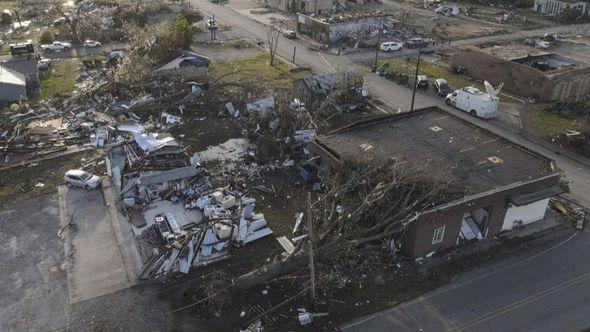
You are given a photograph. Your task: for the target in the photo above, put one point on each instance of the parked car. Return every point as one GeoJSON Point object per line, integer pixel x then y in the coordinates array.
{"type": "Point", "coordinates": [442, 87]}
{"type": "Point", "coordinates": [416, 43]}
{"type": "Point", "coordinates": [56, 46]}
{"type": "Point", "coordinates": [422, 82]}
{"type": "Point", "coordinates": [82, 179]}
{"type": "Point", "coordinates": [290, 34]}
{"type": "Point", "coordinates": [390, 47]}
{"type": "Point", "coordinates": [43, 64]}
{"type": "Point", "coordinates": [91, 44]}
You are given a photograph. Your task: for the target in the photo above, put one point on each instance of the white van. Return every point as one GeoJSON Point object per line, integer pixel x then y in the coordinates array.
{"type": "Point", "coordinates": [476, 102]}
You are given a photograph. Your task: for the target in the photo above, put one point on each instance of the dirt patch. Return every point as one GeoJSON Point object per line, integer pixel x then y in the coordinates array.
{"type": "Point", "coordinates": [20, 183]}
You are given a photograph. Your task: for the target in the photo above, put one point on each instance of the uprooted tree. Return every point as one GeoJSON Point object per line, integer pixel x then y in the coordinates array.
{"type": "Point", "coordinates": [365, 207]}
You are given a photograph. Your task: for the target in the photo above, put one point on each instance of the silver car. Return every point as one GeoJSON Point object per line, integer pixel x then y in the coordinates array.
{"type": "Point", "coordinates": [82, 179]}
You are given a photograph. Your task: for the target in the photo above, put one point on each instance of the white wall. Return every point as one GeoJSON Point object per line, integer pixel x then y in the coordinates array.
{"type": "Point", "coordinates": [526, 213]}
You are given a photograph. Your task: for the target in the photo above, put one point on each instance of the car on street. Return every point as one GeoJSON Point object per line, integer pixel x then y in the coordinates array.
{"type": "Point", "coordinates": [442, 87]}
{"type": "Point", "coordinates": [390, 47]}
{"type": "Point", "coordinates": [290, 34]}
{"type": "Point", "coordinates": [43, 64]}
{"type": "Point", "coordinates": [422, 82]}
{"type": "Point", "coordinates": [416, 43]}
{"type": "Point", "coordinates": [56, 46]}
{"type": "Point", "coordinates": [91, 44]}
{"type": "Point", "coordinates": [82, 179]}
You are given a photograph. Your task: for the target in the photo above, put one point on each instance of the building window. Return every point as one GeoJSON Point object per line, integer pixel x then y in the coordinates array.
{"type": "Point", "coordinates": [439, 233]}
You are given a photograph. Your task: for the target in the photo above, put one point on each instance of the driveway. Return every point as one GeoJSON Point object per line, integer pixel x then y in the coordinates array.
{"type": "Point", "coordinates": [548, 291]}
{"type": "Point", "coordinates": [96, 265]}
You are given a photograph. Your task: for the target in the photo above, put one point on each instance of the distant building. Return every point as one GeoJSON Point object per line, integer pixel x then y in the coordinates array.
{"type": "Point", "coordinates": [498, 184]}
{"type": "Point", "coordinates": [188, 64]}
{"type": "Point", "coordinates": [554, 7]}
{"type": "Point", "coordinates": [304, 6]}
{"type": "Point", "coordinates": [28, 67]}
{"type": "Point", "coordinates": [331, 29]}
{"type": "Point", "coordinates": [526, 71]}
{"type": "Point", "coordinates": [13, 85]}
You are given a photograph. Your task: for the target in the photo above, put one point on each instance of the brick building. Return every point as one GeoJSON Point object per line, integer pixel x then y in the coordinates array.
{"type": "Point", "coordinates": [504, 184]}
{"type": "Point", "coordinates": [526, 71]}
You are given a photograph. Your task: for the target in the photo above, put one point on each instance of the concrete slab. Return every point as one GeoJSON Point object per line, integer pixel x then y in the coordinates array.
{"type": "Point", "coordinates": [96, 265]}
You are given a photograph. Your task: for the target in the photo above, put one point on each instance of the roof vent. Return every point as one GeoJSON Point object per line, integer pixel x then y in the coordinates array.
{"type": "Point", "coordinates": [436, 128]}
{"type": "Point", "coordinates": [495, 160]}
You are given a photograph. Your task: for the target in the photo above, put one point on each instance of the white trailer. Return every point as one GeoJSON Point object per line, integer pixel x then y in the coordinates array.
{"type": "Point", "coordinates": [476, 102]}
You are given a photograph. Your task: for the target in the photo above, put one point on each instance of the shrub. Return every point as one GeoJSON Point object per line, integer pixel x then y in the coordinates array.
{"type": "Point", "coordinates": [47, 37]}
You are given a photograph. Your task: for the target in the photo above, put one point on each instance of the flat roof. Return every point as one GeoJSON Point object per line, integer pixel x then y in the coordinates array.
{"type": "Point", "coordinates": [444, 145]}
{"type": "Point", "coordinates": [510, 52]}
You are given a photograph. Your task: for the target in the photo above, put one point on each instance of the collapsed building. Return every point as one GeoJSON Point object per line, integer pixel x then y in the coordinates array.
{"type": "Point", "coordinates": [504, 184]}
{"type": "Point", "coordinates": [526, 71]}
{"type": "Point", "coordinates": [554, 7]}
{"type": "Point", "coordinates": [304, 6]}
{"type": "Point", "coordinates": [179, 219]}
{"type": "Point", "coordinates": [336, 28]}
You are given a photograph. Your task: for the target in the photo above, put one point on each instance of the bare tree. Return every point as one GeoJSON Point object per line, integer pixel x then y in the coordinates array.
{"type": "Point", "coordinates": [273, 42]}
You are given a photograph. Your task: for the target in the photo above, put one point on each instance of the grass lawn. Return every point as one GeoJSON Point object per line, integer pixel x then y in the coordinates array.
{"type": "Point", "coordinates": [278, 76]}
{"type": "Point", "coordinates": [61, 78]}
{"type": "Point", "coordinates": [551, 125]}
{"type": "Point", "coordinates": [7, 4]}
{"type": "Point", "coordinates": [49, 172]}
{"type": "Point", "coordinates": [433, 71]}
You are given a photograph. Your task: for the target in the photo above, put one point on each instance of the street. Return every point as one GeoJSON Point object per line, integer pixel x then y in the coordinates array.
{"type": "Point", "coordinates": [398, 97]}
{"type": "Point", "coordinates": [547, 291]}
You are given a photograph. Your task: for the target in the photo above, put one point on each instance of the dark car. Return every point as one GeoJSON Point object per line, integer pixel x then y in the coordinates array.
{"type": "Point", "coordinates": [416, 43]}
{"type": "Point", "coordinates": [442, 87]}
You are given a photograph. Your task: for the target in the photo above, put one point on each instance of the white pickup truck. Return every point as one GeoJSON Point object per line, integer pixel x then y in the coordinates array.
{"type": "Point", "coordinates": [476, 102]}
{"type": "Point", "coordinates": [55, 46]}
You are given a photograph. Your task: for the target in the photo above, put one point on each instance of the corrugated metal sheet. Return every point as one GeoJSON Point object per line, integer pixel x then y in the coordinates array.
{"type": "Point", "coordinates": [152, 178]}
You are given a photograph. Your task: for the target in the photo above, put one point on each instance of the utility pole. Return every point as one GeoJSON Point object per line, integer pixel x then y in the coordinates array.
{"type": "Point", "coordinates": [378, 45]}
{"type": "Point", "coordinates": [294, 50]}
{"type": "Point", "coordinates": [415, 81]}
{"type": "Point", "coordinates": [310, 241]}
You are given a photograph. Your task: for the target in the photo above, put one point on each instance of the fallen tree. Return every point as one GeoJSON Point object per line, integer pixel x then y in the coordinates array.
{"type": "Point", "coordinates": [366, 207]}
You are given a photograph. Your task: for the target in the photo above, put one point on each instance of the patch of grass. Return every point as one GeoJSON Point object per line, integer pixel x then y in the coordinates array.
{"type": "Point", "coordinates": [432, 70]}
{"type": "Point", "coordinates": [277, 76]}
{"type": "Point", "coordinates": [60, 79]}
{"type": "Point", "coordinates": [49, 172]}
{"type": "Point", "coordinates": [7, 4]}
{"type": "Point", "coordinates": [551, 125]}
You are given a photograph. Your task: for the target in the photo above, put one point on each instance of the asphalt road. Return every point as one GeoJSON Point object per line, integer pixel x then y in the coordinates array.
{"type": "Point", "coordinates": [546, 291]}
{"type": "Point", "coordinates": [397, 97]}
